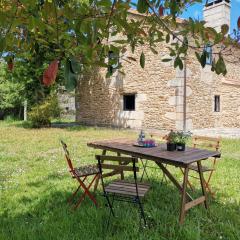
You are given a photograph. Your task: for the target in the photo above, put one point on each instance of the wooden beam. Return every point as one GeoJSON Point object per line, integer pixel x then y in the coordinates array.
{"type": "Point", "coordinates": [194, 202]}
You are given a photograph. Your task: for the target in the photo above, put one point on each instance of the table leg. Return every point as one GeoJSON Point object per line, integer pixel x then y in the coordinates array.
{"type": "Point", "coordinates": [202, 181]}
{"type": "Point", "coordinates": [184, 191]}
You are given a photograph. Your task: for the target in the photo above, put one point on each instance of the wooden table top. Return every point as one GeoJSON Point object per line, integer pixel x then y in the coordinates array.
{"type": "Point", "coordinates": [159, 153]}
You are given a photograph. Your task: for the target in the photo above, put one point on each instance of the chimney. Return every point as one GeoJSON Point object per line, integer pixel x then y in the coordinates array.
{"type": "Point", "coordinates": [216, 13]}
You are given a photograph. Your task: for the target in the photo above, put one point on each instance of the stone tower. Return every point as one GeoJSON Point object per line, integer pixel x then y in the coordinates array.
{"type": "Point", "coordinates": [216, 13]}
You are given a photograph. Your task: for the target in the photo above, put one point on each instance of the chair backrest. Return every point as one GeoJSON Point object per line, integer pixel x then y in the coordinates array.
{"type": "Point", "coordinates": [158, 136]}
{"type": "Point", "coordinates": [119, 164]}
{"type": "Point", "coordinates": [207, 142]}
{"type": "Point", "coordinates": [67, 156]}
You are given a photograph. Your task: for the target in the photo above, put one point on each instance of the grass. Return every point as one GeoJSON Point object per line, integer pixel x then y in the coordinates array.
{"type": "Point", "coordinates": [35, 183]}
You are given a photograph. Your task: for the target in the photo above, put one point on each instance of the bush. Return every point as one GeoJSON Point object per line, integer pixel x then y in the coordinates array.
{"type": "Point", "coordinates": [10, 118]}
{"type": "Point", "coordinates": [41, 115]}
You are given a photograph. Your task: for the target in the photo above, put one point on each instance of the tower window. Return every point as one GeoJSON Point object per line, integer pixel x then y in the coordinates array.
{"type": "Point", "coordinates": [208, 49]}
{"type": "Point", "coordinates": [216, 103]}
{"type": "Point", "coordinates": [129, 102]}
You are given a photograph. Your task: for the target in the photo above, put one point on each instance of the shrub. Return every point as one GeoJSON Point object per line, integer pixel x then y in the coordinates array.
{"type": "Point", "coordinates": [41, 115]}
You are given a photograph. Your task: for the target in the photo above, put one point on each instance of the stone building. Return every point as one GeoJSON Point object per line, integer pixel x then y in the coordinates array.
{"type": "Point", "coordinates": [153, 97]}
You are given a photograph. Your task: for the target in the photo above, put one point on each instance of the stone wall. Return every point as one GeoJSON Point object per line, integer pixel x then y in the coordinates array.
{"type": "Point", "coordinates": [159, 90]}
{"type": "Point", "coordinates": [67, 104]}
{"type": "Point", "coordinates": [100, 100]}
{"type": "Point", "coordinates": [205, 85]}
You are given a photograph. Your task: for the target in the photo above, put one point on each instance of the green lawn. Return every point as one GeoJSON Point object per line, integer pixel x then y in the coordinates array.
{"type": "Point", "coordinates": [35, 183]}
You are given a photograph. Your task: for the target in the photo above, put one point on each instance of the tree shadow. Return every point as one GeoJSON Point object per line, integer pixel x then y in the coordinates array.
{"type": "Point", "coordinates": [99, 100]}
{"type": "Point", "coordinates": [49, 216]}
{"type": "Point", "coordinates": [70, 126]}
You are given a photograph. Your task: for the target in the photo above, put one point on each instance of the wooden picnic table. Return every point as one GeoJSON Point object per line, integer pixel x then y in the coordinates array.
{"type": "Point", "coordinates": [161, 156]}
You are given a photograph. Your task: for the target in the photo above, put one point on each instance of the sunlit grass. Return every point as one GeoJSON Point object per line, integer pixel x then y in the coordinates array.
{"type": "Point", "coordinates": [34, 186]}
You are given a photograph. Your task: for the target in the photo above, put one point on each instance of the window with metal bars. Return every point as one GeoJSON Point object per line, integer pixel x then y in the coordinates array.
{"type": "Point", "coordinates": [216, 103]}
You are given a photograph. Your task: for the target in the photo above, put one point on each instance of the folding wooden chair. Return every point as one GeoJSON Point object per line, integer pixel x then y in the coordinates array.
{"type": "Point", "coordinates": [208, 143]}
{"type": "Point", "coordinates": [81, 174]}
{"type": "Point", "coordinates": [122, 190]}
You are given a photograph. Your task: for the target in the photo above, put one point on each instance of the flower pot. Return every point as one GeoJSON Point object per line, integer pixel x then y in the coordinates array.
{"type": "Point", "coordinates": [171, 146]}
{"type": "Point", "coordinates": [180, 146]}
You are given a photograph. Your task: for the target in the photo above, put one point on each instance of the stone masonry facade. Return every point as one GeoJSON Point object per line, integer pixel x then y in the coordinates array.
{"type": "Point", "coordinates": [158, 90]}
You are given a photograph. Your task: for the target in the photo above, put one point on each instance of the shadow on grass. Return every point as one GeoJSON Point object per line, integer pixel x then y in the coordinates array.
{"type": "Point", "coordinates": [48, 216]}
{"type": "Point", "coordinates": [71, 126]}
{"type": "Point", "coordinates": [20, 124]}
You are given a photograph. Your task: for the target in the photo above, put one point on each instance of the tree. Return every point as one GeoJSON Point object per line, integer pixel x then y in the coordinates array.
{"type": "Point", "coordinates": [81, 33]}
{"type": "Point", "coordinates": [11, 92]}
{"type": "Point", "coordinates": [24, 82]}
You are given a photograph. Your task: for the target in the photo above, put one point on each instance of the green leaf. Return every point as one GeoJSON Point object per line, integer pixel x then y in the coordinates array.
{"type": "Point", "coordinates": [178, 63]}
{"type": "Point", "coordinates": [220, 66]}
{"type": "Point", "coordinates": [197, 43]}
{"type": "Point", "coordinates": [2, 44]}
{"type": "Point", "coordinates": [172, 52]}
{"type": "Point", "coordinates": [142, 6]}
{"type": "Point", "coordinates": [108, 74]}
{"type": "Point", "coordinates": [132, 59]}
{"type": "Point", "coordinates": [213, 68]}
{"type": "Point", "coordinates": [142, 60]}
{"type": "Point", "coordinates": [198, 56]}
{"type": "Point", "coordinates": [75, 66]}
{"type": "Point", "coordinates": [224, 29]}
{"type": "Point", "coordinates": [153, 50]}
{"type": "Point", "coordinates": [168, 38]}
{"type": "Point", "coordinates": [166, 60]}
{"type": "Point", "coordinates": [203, 59]}
{"type": "Point", "coordinates": [70, 78]}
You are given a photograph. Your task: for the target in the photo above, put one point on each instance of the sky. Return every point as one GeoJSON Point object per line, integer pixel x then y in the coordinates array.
{"type": "Point", "coordinates": [196, 12]}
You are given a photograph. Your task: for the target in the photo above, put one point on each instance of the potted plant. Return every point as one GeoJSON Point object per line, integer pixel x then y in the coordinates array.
{"type": "Point", "coordinates": [171, 137]}
{"type": "Point", "coordinates": [181, 139]}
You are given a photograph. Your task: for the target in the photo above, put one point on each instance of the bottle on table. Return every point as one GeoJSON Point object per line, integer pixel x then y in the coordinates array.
{"type": "Point", "coordinates": [141, 138]}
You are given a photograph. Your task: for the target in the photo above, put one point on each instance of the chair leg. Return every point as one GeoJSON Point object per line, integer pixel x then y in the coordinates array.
{"type": "Point", "coordinates": [209, 190]}
{"type": "Point", "coordinates": [121, 173]}
{"type": "Point", "coordinates": [207, 185]}
{"type": "Point", "coordinates": [142, 214]}
{"type": "Point", "coordinates": [96, 182]}
{"type": "Point", "coordinates": [110, 211]}
{"type": "Point", "coordinates": [86, 192]}
{"type": "Point", "coordinates": [202, 181]}
{"type": "Point", "coordinates": [188, 182]}
{"type": "Point", "coordinates": [144, 169]}
{"type": "Point", "coordinates": [109, 204]}
{"type": "Point", "coordinates": [70, 199]}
